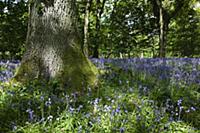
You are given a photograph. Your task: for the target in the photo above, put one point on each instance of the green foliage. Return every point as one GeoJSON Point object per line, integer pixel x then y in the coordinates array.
{"type": "Point", "coordinates": [13, 28]}
{"type": "Point", "coordinates": [185, 34]}
{"type": "Point", "coordinates": [127, 29]}
{"type": "Point", "coordinates": [131, 26]}
{"type": "Point", "coordinates": [130, 29]}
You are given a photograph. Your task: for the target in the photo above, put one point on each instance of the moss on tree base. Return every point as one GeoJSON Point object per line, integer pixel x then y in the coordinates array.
{"type": "Point", "coordinates": [77, 71]}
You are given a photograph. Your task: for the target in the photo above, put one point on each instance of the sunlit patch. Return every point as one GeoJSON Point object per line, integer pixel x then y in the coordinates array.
{"type": "Point", "coordinates": [52, 61]}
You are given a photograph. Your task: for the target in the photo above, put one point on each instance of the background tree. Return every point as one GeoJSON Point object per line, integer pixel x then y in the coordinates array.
{"type": "Point", "coordinates": [123, 28]}
{"type": "Point", "coordinates": [184, 33]}
{"type": "Point", "coordinates": [165, 11]}
{"type": "Point", "coordinates": [99, 11]}
{"type": "Point", "coordinates": [128, 29]}
{"type": "Point", "coordinates": [86, 26]}
{"type": "Point", "coordinates": [13, 28]}
{"type": "Point", "coordinates": [53, 49]}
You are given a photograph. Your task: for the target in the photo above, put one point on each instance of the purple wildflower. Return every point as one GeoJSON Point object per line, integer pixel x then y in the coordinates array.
{"type": "Point", "coordinates": [193, 108]}
{"type": "Point", "coordinates": [122, 130]}
{"type": "Point", "coordinates": [48, 103]}
{"type": "Point", "coordinates": [30, 112]}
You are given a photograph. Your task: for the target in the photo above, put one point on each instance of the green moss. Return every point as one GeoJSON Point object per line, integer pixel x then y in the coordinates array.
{"type": "Point", "coordinates": [27, 71]}
{"type": "Point", "coordinates": [78, 71]}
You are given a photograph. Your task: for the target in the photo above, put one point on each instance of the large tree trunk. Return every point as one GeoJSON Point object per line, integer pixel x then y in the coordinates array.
{"type": "Point", "coordinates": [53, 50]}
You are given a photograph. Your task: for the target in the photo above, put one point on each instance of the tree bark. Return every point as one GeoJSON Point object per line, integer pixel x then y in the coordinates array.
{"type": "Point", "coordinates": [99, 11]}
{"type": "Point", "coordinates": [164, 18]}
{"type": "Point", "coordinates": [163, 34]}
{"type": "Point", "coordinates": [86, 27]}
{"type": "Point", "coordinates": [53, 49]}
{"type": "Point", "coordinates": [162, 30]}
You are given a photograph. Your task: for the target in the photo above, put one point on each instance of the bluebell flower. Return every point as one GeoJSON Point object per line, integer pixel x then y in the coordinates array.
{"type": "Point", "coordinates": [71, 110]}
{"type": "Point", "coordinates": [179, 102]}
{"type": "Point", "coordinates": [193, 108]}
{"type": "Point", "coordinates": [79, 108]}
{"type": "Point", "coordinates": [107, 108]}
{"type": "Point", "coordinates": [48, 103]}
{"type": "Point", "coordinates": [30, 112]}
{"type": "Point", "coordinates": [171, 118]}
{"type": "Point", "coordinates": [96, 101]}
{"type": "Point", "coordinates": [117, 109]}
{"type": "Point", "coordinates": [42, 98]}
{"type": "Point", "coordinates": [122, 130]}
{"type": "Point", "coordinates": [75, 95]}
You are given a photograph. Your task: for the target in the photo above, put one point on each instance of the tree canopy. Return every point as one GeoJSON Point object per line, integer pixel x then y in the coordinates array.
{"type": "Point", "coordinates": [116, 28]}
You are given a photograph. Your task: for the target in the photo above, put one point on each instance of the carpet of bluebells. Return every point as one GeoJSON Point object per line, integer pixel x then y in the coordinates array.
{"type": "Point", "coordinates": [133, 96]}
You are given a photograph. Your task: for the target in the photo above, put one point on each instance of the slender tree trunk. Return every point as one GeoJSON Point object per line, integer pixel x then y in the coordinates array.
{"type": "Point", "coordinates": [161, 35]}
{"type": "Point", "coordinates": [86, 27]}
{"type": "Point", "coordinates": [164, 18]}
{"type": "Point", "coordinates": [99, 11]}
{"type": "Point", "coordinates": [53, 50]}
{"type": "Point", "coordinates": [96, 47]}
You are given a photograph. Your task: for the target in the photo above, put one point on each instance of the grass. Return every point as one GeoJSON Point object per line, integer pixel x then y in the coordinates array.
{"type": "Point", "coordinates": [126, 101]}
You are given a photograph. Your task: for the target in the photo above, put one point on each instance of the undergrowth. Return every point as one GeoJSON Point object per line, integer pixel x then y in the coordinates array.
{"type": "Point", "coordinates": [125, 101]}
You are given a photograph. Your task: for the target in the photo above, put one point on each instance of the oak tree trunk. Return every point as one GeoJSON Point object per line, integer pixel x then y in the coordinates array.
{"type": "Point", "coordinates": [53, 49]}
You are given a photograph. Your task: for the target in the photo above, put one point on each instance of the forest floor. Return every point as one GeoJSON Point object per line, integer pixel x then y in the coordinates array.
{"type": "Point", "coordinates": [134, 96]}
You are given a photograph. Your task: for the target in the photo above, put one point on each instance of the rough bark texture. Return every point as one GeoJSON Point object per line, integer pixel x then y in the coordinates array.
{"type": "Point", "coordinates": [53, 50]}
